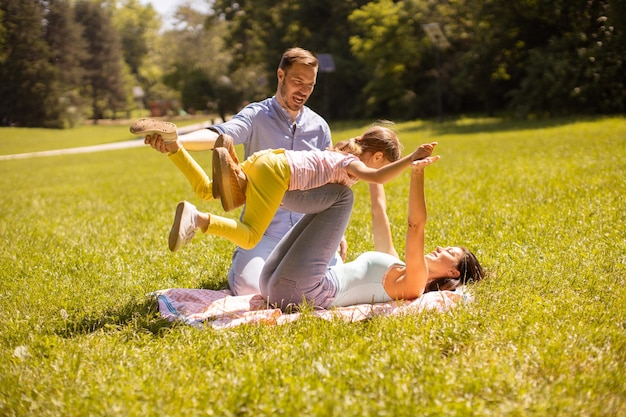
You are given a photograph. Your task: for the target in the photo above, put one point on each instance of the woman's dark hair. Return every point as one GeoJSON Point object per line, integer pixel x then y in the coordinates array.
{"type": "Point", "coordinates": [375, 139]}
{"type": "Point", "coordinates": [470, 271]}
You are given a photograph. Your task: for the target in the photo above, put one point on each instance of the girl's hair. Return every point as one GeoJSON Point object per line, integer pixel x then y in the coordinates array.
{"type": "Point", "coordinates": [470, 271]}
{"type": "Point", "coordinates": [375, 139]}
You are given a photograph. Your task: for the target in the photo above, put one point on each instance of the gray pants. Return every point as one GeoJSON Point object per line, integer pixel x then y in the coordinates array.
{"type": "Point", "coordinates": [296, 270]}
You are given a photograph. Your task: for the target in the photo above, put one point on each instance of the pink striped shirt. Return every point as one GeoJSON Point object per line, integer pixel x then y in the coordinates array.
{"type": "Point", "coordinates": [312, 169]}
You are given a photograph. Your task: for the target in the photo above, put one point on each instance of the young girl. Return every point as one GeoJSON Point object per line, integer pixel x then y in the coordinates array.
{"type": "Point", "coordinates": [373, 157]}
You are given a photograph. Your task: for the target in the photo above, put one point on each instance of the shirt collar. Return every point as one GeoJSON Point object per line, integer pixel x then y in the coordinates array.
{"type": "Point", "coordinates": [281, 110]}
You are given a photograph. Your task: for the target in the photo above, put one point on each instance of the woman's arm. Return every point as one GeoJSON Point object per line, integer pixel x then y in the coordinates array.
{"type": "Point", "coordinates": [381, 229]}
{"type": "Point", "coordinates": [410, 283]}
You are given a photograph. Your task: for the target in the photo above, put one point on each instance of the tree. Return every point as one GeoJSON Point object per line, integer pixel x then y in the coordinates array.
{"type": "Point", "coordinates": [136, 25]}
{"type": "Point", "coordinates": [259, 31]}
{"type": "Point", "coordinates": [540, 58]}
{"type": "Point", "coordinates": [28, 79]}
{"type": "Point", "coordinates": [67, 51]}
{"type": "Point", "coordinates": [200, 65]}
{"type": "Point", "coordinates": [103, 65]}
{"type": "Point", "coordinates": [579, 66]}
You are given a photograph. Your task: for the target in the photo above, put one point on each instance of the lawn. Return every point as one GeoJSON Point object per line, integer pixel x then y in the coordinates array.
{"type": "Point", "coordinates": [541, 203]}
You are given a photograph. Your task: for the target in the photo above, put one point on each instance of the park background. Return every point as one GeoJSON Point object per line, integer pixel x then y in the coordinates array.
{"type": "Point", "coordinates": [532, 139]}
{"type": "Point", "coordinates": [62, 62]}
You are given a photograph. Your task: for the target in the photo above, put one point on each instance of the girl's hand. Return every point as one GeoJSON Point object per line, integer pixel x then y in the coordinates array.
{"type": "Point", "coordinates": [423, 151]}
{"type": "Point", "coordinates": [420, 164]}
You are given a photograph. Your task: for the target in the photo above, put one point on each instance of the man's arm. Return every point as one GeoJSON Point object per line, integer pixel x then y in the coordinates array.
{"type": "Point", "coordinates": [199, 140]}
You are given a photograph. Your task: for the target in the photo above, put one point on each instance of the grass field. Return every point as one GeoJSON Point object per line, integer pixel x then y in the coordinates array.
{"type": "Point", "coordinates": [541, 203]}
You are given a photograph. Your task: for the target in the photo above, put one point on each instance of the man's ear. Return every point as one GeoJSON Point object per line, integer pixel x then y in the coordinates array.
{"type": "Point", "coordinates": [280, 74]}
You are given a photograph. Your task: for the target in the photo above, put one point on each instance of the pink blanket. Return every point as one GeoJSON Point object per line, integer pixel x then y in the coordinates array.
{"type": "Point", "coordinates": [221, 309]}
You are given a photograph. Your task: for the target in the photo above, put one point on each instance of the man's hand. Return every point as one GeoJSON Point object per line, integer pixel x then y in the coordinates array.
{"type": "Point", "coordinates": [157, 143]}
{"type": "Point", "coordinates": [343, 248]}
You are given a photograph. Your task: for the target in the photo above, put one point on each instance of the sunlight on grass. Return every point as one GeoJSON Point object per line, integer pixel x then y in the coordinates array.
{"type": "Point", "coordinates": [541, 203]}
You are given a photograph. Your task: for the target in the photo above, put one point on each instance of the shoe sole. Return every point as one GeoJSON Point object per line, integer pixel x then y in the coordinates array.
{"type": "Point", "coordinates": [144, 127]}
{"type": "Point", "coordinates": [173, 241]}
{"type": "Point", "coordinates": [225, 141]}
{"type": "Point", "coordinates": [221, 142]}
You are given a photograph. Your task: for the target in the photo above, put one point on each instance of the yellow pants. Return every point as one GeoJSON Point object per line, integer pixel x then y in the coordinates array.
{"type": "Point", "coordinates": [268, 175]}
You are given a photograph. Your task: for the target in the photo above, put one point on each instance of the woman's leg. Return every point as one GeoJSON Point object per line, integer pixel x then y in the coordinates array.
{"type": "Point", "coordinates": [296, 268]}
{"type": "Point", "coordinates": [268, 179]}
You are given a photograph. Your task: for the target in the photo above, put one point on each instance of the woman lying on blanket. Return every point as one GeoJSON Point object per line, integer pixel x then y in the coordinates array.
{"type": "Point", "coordinates": [298, 268]}
{"type": "Point", "coordinates": [264, 178]}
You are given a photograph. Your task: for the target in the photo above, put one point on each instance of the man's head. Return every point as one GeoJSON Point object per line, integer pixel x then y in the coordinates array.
{"type": "Point", "coordinates": [297, 73]}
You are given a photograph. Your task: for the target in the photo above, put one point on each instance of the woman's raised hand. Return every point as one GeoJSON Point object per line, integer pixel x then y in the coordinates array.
{"type": "Point", "coordinates": [420, 164]}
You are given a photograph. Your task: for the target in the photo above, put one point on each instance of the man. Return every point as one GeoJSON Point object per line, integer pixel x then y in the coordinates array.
{"type": "Point", "coordinates": [282, 121]}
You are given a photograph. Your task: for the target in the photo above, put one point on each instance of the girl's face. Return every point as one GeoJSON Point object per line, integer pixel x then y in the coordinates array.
{"type": "Point", "coordinates": [442, 262]}
{"type": "Point", "coordinates": [374, 160]}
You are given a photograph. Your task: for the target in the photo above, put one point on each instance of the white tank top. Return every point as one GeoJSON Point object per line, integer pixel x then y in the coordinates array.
{"type": "Point", "coordinates": [361, 281]}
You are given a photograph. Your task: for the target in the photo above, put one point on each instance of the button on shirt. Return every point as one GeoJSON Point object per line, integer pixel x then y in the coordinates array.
{"type": "Point", "coordinates": [266, 125]}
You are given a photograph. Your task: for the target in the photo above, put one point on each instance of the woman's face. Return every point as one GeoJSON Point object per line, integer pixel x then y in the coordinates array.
{"type": "Point", "coordinates": [442, 262]}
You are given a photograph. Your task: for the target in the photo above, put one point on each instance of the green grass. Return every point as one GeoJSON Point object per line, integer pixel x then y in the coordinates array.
{"type": "Point", "coordinates": [541, 203]}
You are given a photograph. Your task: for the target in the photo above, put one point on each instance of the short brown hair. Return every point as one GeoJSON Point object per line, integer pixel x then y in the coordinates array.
{"type": "Point", "coordinates": [297, 56]}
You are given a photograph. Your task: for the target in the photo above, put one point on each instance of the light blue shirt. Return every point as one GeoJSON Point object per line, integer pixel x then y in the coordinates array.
{"type": "Point", "coordinates": [266, 125]}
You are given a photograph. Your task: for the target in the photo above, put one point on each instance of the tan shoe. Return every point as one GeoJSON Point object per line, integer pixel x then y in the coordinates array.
{"type": "Point", "coordinates": [222, 141]}
{"type": "Point", "coordinates": [225, 141]}
{"type": "Point", "coordinates": [145, 127]}
{"type": "Point", "coordinates": [229, 180]}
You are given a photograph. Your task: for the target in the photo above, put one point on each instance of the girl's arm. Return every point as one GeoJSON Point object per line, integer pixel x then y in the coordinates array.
{"type": "Point", "coordinates": [385, 174]}
{"type": "Point", "coordinates": [409, 282]}
{"type": "Point", "coordinates": [381, 229]}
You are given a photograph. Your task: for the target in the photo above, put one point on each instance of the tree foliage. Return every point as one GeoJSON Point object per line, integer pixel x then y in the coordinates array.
{"type": "Point", "coordinates": [28, 78]}
{"type": "Point", "coordinates": [103, 63]}
{"type": "Point", "coordinates": [84, 58]}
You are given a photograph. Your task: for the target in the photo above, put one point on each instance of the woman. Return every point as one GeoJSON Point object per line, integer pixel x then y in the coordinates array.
{"type": "Point", "coordinates": [298, 270]}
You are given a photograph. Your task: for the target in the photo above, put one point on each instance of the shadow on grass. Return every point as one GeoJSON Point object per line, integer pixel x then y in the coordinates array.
{"type": "Point", "coordinates": [135, 317]}
{"type": "Point", "coordinates": [464, 126]}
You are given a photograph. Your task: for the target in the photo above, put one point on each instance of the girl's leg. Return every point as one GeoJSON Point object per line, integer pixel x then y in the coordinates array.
{"type": "Point", "coordinates": [268, 179]}
{"type": "Point", "coordinates": [296, 269]}
{"type": "Point", "coordinates": [194, 173]}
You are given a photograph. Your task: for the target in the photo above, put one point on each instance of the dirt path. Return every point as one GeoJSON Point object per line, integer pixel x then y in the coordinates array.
{"type": "Point", "coordinates": [134, 143]}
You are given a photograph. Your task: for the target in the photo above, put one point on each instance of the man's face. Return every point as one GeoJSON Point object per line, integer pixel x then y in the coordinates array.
{"type": "Point", "coordinates": [295, 86]}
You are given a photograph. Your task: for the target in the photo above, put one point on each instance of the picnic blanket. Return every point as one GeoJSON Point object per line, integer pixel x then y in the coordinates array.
{"type": "Point", "coordinates": [221, 309]}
